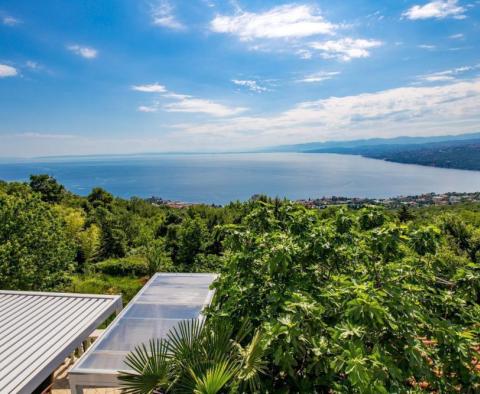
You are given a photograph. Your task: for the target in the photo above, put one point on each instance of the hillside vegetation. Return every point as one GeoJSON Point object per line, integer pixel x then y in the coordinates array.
{"type": "Point", "coordinates": [462, 154]}
{"type": "Point", "coordinates": [338, 300]}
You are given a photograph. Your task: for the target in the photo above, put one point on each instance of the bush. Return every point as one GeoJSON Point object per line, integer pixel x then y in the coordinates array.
{"type": "Point", "coordinates": [106, 284]}
{"type": "Point", "coordinates": [132, 265]}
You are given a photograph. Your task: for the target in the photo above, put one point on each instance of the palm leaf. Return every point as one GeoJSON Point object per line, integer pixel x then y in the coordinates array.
{"type": "Point", "coordinates": [214, 379]}
{"type": "Point", "coordinates": [151, 366]}
{"type": "Point", "coordinates": [252, 362]}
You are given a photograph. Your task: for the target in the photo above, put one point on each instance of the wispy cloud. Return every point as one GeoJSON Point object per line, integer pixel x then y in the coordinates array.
{"type": "Point", "coordinates": [286, 21]}
{"type": "Point", "coordinates": [427, 46]}
{"type": "Point", "coordinates": [439, 9]}
{"type": "Point", "coordinates": [447, 75]}
{"type": "Point", "coordinates": [458, 36]}
{"type": "Point", "coordinates": [10, 21]}
{"type": "Point", "coordinates": [7, 71]}
{"type": "Point", "coordinates": [83, 51]}
{"type": "Point", "coordinates": [151, 88]}
{"type": "Point", "coordinates": [146, 108]}
{"type": "Point", "coordinates": [163, 15]}
{"type": "Point", "coordinates": [184, 103]}
{"type": "Point", "coordinates": [196, 105]}
{"type": "Point", "coordinates": [451, 107]}
{"type": "Point", "coordinates": [251, 85]}
{"type": "Point", "coordinates": [346, 48]}
{"type": "Point", "coordinates": [319, 76]}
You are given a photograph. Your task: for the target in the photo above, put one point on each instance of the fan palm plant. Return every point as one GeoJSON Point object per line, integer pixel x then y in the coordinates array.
{"type": "Point", "coordinates": [198, 359]}
{"type": "Point", "coordinates": [152, 368]}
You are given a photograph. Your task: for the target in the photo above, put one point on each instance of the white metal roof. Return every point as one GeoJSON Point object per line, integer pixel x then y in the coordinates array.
{"type": "Point", "coordinates": [39, 330]}
{"type": "Point", "coordinates": [166, 300]}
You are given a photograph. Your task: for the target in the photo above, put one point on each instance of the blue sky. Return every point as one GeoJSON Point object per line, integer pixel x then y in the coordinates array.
{"type": "Point", "coordinates": [89, 77]}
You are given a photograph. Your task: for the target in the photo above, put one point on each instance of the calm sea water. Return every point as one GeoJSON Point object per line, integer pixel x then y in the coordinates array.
{"type": "Point", "coordinates": [220, 178]}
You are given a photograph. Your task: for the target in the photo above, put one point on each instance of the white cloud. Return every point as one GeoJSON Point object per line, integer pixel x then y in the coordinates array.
{"type": "Point", "coordinates": [433, 110]}
{"type": "Point", "coordinates": [250, 85]}
{"type": "Point", "coordinates": [196, 105]}
{"type": "Point", "coordinates": [286, 21]}
{"type": "Point", "coordinates": [7, 71]}
{"type": "Point", "coordinates": [184, 103]}
{"type": "Point", "coordinates": [86, 52]}
{"type": "Point", "coordinates": [152, 88]}
{"type": "Point", "coordinates": [427, 46]}
{"type": "Point", "coordinates": [439, 9]}
{"type": "Point", "coordinates": [446, 75]}
{"type": "Point", "coordinates": [162, 15]}
{"type": "Point", "coordinates": [145, 108]}
{"type": "Point", "coordinates": [304, 54]}
{"type": "Point", "coordinates": [346, 48]}
{"type": "Point", "coordinates": [10, 21]}
{"type": "Point", "coordinates": [458, 36]}
{"type": "Point", "coordinates": [292, 27]}
{"type": "Point", "coordinates": [319, 76]}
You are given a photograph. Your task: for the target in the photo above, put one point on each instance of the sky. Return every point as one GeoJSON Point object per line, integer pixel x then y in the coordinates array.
{"type": "Point", "coordinates": [123, 76]}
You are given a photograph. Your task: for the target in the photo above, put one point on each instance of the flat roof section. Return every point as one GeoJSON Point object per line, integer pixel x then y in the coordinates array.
{"type": "Point", "coordinates": [39, 330]}
{"type": "Point", "coordinates": [166, 300]}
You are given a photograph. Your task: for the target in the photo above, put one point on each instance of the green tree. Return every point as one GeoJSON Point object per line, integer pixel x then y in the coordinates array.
{"type": "Point", "coordinates": [36, 252]}
{"type": "Point", "coordinates": [114, 242]}
{"type": "Point", "coordinates": [192, 237]}
{"type": "Point", "coordinates": [90, 243]}
{"type": "Point", "coordinates": [157, 258]}
{"type": "Point", "coordinates": [99, 196]}
{"type": "Point", "coordinates": [353, 302]}
{"type": "Point", "coordinates": [404, 214]}
{"type": "Point", "coordinates": [48, 187]}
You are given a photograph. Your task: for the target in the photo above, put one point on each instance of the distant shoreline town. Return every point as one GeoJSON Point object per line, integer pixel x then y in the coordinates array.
{"type": "Point", "coordinates": [421, 200]}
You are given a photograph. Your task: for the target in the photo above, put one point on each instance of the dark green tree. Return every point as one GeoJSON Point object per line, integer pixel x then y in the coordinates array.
{"type": "Point", "coordinates": [192, 239]}
{"type": "Point", "coordinates": [48, 187]}
{"type": "Point", "coordinates": [99, 197]}
{"type": "Point", "coordinates": [404, 214]}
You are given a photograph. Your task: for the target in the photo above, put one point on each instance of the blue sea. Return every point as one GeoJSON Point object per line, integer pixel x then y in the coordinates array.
{"type": "Point", "coordinates": [221, 178]}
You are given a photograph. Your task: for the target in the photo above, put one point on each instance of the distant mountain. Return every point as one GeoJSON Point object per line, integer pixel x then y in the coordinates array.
{"type": "Point", "coordinates": [324, 146]}
{"type": "Point", "coordinates": [459, 154]}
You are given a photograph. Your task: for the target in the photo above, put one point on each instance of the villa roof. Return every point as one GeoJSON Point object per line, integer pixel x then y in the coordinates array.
{"type": "Point", "coordinates": [39, 330]}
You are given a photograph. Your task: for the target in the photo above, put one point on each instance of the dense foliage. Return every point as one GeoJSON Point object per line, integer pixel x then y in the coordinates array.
{"type": "Point", "coordinates": [355, 302]}
{"type": "Point", "coordinates": [49, 237]}
{"type": "Point", "coordinates": [35, 250]}
{"type": "Point", "coordinates": [339, 300]}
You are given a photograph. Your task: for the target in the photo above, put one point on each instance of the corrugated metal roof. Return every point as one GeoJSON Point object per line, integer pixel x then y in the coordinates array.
{"type": "Point", "coordinates": [39, 330]}
{"type": "Point", "coordinates": [166, 300]}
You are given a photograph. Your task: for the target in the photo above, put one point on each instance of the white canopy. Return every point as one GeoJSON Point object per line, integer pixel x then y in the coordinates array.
{"type": "Point", "coordinates": [161, 304]}
{"type": "Point", "coordinates": [39, 330]}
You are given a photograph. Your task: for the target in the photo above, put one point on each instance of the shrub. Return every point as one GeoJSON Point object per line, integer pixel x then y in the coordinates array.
{"type": "Point", "coordinates": [132, 265]}
{"type": "Point", "coordinates": [105, 284]}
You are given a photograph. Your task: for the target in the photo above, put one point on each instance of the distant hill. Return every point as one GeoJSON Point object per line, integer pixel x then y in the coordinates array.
{"type": "Point", "coordinates": [448, 151]}
{"type": "Point", "coordinates": [320, 146]}
{"type": "Point", "coordinates": [460, 154]}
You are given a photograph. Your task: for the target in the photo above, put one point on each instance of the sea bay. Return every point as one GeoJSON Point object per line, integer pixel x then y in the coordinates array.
{"type": "Point", "coordinates": [220, 178]}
